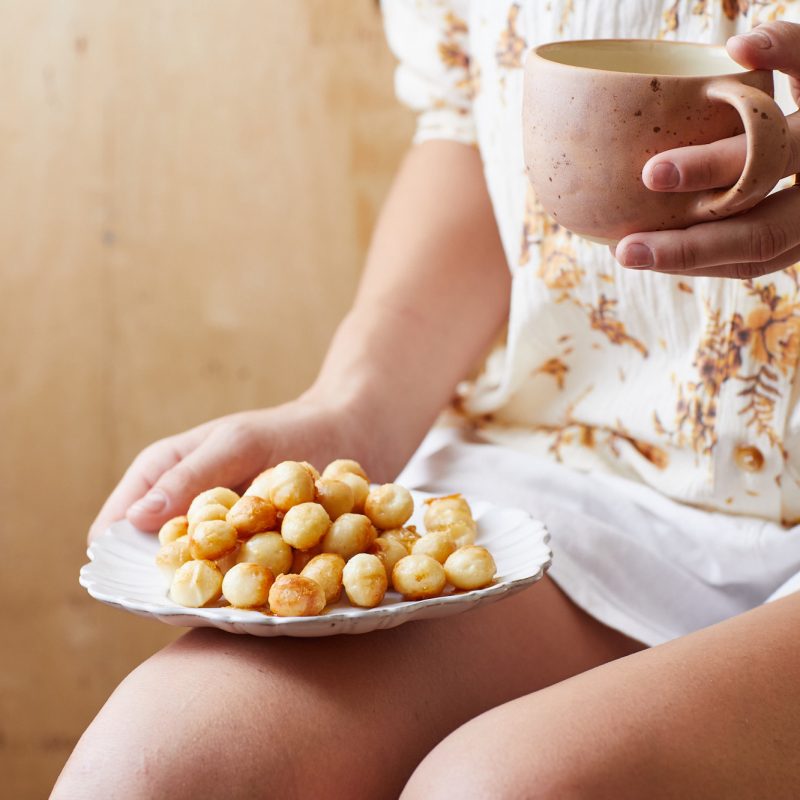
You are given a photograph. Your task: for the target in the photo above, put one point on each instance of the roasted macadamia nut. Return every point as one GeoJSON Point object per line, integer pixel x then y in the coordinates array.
{"type": "Point", "coordinates": [462, 532]}
{"type": "Point", "coordinates": [219, 494]}
{"type": "Point", "coordinates": [406, 536]}
{"type": "Point", "coordinates": [389, 551]}
{"type": "Point", "coordinates": [173, 529]}
{"type": "Point", "coordinates": [304, 525]}
{"type": "Point", "coordinates": [342, 465]}
{"type": "Point", "coordinates": [228, 561]}
{"type": "Point", "coordinates": [170, 556]}
{"type": "Point", "coordinates": [364, 580]}
{"type": "Point", "coordinates": [247, 585]}
{"type": "Point", "coordinates": [291, 484]}
{"type": "Point", "coordinates": [326, 570]}
{"type": "Point", "coordinates": [418, 577]}
{"type": "Point", "coordinates": [205, 514]}
{"type": "Point", "coordinates": [312, 470]}
{"type": "Point", "coordinates": [470, 567]}
{"type": "Point", "coordinates": [437, 544]}
{"type": "Point", "coordinates": [252, 514]}
{"type": "Point", "coordinates": [389, 506]}
{"type": "Point", "coordinates": [196, 583]}
{"type": "Point", "coordinates": [296, 596]}
{"type": "Point", "coordinates": [212, 539]}
{"type": "Point", "coordinates": [452, 506]}
{"type": "Point", "coordinates": [358, 486]}
{"type": "Point", "coordinates": [348, 535]}
{"type": "Point", "coordinates": [336, 497]}
{"type": "Point", "coordinates": [261, 485]}
{"type": "Point", "coordinates": [269, 550]}
{"type": "Point", "coordinates": [301, 557]}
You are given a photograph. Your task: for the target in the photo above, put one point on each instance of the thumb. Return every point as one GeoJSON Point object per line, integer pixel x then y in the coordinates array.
{"type": "Point", "coordinates": [773, 45]}
{"type": "Point", "coordinates": [229, 456]}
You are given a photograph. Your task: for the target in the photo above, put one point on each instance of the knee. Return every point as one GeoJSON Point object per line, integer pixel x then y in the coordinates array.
{"type": "Point", "coordinates": [491, 757]}
{"type": "Point", "coordinates": [173, 729]}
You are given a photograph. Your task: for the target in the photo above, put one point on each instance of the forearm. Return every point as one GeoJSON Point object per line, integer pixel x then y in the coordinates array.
{"type": "Point", "coordinates": [433, 296]}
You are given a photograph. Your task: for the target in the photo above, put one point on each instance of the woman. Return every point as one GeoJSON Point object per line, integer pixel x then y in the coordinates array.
{"type": "Point", "coordinates": [651, 419]}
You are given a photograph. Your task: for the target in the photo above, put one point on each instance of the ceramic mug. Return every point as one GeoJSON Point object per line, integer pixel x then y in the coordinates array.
{"type": "Point", "coordinates": [595, 112]}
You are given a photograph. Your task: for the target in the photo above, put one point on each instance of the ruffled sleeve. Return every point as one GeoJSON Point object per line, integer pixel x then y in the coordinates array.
{"type": "Point", "coordinates": [430, 39]}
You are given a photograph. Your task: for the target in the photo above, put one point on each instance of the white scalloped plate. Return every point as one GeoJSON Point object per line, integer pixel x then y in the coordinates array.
{"type": "Point", "coordinates": [122, 573]}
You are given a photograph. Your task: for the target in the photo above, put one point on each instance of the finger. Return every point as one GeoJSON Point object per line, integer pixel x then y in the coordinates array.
{"type": "Point", "coordinates": [741, 271]}
{"type": "Point", "coordinates": [760, 235]}
{"type": "Point", "coordinates": [773, 45]}
{"type": "Point", "coordinates": [145, 470]}
{"type": "Point", "coordinates": [228, 456]}
{"type": "Point", "coordinates": [711, 166]}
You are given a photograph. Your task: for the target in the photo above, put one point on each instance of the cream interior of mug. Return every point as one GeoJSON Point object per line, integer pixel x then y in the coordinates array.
{"type": "Point", "coordinates": [643, 57]}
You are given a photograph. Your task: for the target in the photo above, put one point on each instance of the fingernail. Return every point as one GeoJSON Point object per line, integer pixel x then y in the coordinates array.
{"type": "Point", "coordinates": [758, 38]}
{"type": "Point", "coordinates": [637, 255]}
{"type": "Point", "coordinates": [153, 502]}
{"type": "Point", "coordinates": [664, 176]}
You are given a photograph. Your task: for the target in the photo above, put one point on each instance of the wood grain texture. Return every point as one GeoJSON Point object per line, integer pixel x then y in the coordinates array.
{"type": "Point", "coordinates": [186, 198]}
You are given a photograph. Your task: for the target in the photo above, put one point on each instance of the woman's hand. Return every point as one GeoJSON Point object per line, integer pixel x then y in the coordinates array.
{"type": "Point", "coordinates": [762, 240]}
{"type": "Point", "coordinates": [230, 451]}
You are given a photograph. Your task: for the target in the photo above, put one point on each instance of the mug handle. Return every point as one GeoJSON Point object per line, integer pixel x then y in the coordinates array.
{"type": "Point", "coordinates": [767, 149]}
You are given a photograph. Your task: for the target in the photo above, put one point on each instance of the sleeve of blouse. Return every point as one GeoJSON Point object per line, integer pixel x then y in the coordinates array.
{"type": "Point", "coordinates": [433, 77]}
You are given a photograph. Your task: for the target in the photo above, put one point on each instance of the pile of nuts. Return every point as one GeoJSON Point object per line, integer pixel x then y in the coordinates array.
{"type": "Point", "coordinates": [296, 539]}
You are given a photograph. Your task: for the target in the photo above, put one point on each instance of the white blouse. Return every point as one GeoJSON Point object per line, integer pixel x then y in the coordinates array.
{"type": "Point", "coordinates": [685, 385]}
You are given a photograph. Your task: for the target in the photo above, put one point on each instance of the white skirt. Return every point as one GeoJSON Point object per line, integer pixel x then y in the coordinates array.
{"type": "Point", "coordinates": [639, 562]}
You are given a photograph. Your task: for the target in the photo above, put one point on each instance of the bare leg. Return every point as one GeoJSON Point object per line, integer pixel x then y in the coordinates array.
{"type": "Point", "coordinates": [235, 716]}
{"type": "Point", "coordinates": [711, 715]}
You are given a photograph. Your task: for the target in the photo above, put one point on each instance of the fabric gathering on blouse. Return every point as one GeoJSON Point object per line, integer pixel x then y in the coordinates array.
{"type": "Point", "coordinates": [652, 421]}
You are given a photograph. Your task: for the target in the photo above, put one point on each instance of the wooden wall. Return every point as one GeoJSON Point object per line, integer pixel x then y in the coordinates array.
{"type": "Point", "coordinates": [186, 192]}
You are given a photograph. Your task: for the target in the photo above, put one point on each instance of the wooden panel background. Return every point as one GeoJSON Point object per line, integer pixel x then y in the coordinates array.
{"type": "Point", "coordinates": [186, 194]}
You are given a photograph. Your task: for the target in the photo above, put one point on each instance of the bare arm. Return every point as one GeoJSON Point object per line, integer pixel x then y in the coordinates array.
{"type": "Point", "coordinates": [433, 296]}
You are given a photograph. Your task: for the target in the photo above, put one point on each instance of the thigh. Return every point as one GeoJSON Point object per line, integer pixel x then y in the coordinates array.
{"type": "Point", "coordinates": [711, 715]}
{"type": "Point", "coordinates": [236, 716]}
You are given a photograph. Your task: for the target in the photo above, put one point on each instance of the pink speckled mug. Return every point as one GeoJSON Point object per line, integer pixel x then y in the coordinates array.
{"type": "Point", "coordinates": [595, 112]}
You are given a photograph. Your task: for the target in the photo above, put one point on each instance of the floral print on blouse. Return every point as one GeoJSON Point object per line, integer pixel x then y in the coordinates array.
{"type": "Point", "coordinates": [687, 384]}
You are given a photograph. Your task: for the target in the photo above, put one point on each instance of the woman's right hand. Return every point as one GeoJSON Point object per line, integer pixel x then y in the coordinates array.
{"type": "Point", "coordinates": [230, 451]}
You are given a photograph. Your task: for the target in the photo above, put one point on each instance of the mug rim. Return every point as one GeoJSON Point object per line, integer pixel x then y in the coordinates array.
{"type": "Point", "coordinates": [536, 52]}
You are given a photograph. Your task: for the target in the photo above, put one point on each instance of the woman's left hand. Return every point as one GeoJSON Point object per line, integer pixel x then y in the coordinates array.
{"type": "Point", "coordinates": [762, 240]}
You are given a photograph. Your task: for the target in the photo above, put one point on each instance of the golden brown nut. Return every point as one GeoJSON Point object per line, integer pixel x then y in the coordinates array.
{"type": "Point", "coordinates": [296, 596]}
{"type": "Point", "coordinates": [336, 497]}
{"type": "Point", "coordinates": [418, 577]}
{"type": "Point", "coordinates": [453, 504]}
{"type": "Point", "coordinates": [348, 535]}
{"type": "Point", "coordinates": [173, 529]}
{"type": "Point", "coordinates": [252, 514]}
{"type": "Point", "coordinates": [170, 556]}
{"type": "Point", "coordinates": [406, 536]}
{"type": "Point", "coordinates": [291, 484]}
{"type": "Point", "coordinates": [389, 506]}
{"type": "Point", "coordinates": [261, 485]}
{"type": "Point", "coordinates": [364, 580]}
{"type": "Point", "coordinates": [341, 466]}
{"type": "Point", "coordinates": [304, 525]}
{"type": "Point", "coordinates": [358, 486]}
{"type": "Point", "coordinates": [470, 567]}
{"type": "Point", "coordinates": [196, 583]}
{"type": "Point", "coordinates": [269, 550]}
{"type": "Point", "coordinates": [247, 585]}
{"type": "Point", "coordinates": [219, 494]}
{"type": "Point", "coordinates": [389, 551]}
{"type": "Point", "coordinates": [301, 557]}
{"type": "Point", "coordinates": [437, 544]}
{"type": "Point", "coordinates": [326, 570]}
{"type": "Point", "coordinates": [312, 470]}
{"type": "Point", "coordinates": [205, 514]}
{"type": "Point", "coordinates": [227, 561]}
{"type": "Point", "coordinates": [212, 539]}
{"type": "Point", "coordinates": [462, 532]}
